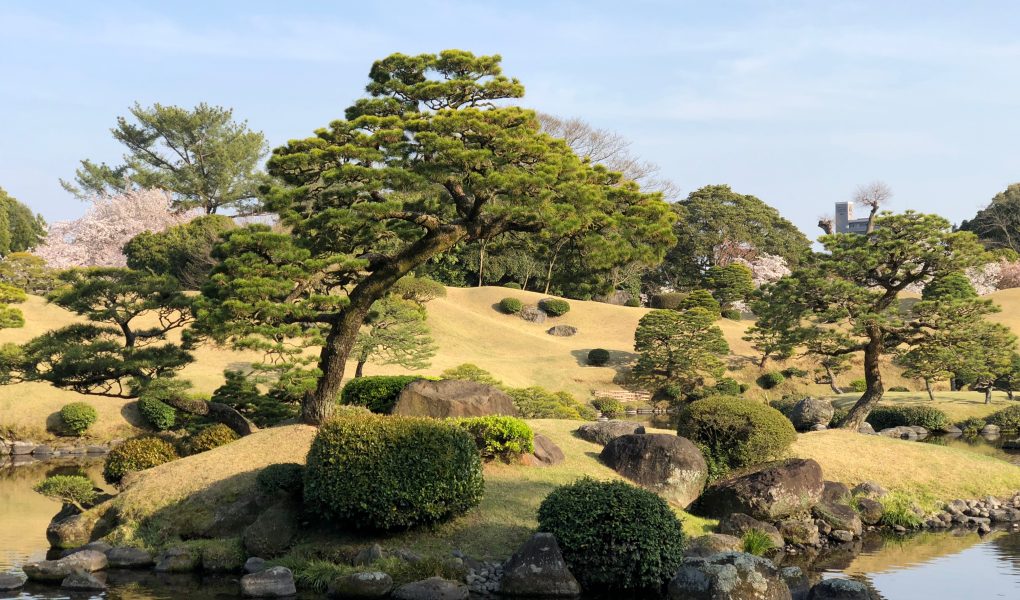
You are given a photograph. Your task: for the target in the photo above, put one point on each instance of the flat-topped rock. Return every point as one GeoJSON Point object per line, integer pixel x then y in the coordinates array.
{"type": "Point", "coordinates": [779, 490]}
{"type": "Point", "coordinates": [452, 398]}
{"type": "Point", "coordinates": [274, 582]}
{"type": "Point", "coordinates": [603, 432]}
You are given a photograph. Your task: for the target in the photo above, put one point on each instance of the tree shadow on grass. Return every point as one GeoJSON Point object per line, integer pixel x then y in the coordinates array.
{"type": "Point", "coordinates": [131, 414]}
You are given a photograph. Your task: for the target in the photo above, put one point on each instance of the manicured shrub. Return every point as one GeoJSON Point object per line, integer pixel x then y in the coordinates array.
{"type": "Point", "coordinates": [735, 432]}
{"type": "Point", "coordinates": [285, 478]}
{"type": "Point", "coordinates": [378, 393]}
{"type": "Point", "coordinates": [611, 408]}
{"type": "Point", "coordinates": [794, 373]}
{"type": "Point", "coordinates": [1007, 418]}
{"type": "Point", "coordinates": [613, 535]}
{"type": "Point", "coordinates": [838, 416]}
{"type": "Point", "coordinates": [632, 302]}
{"type": "Point", "coordinates": [265, 410]}
{"type": "Point", "coordinates": [732, 314]}
{"type": "Point", "coordinates": [929, 417]}
{"type": "Point", "coordinates": [158, 414]}
{"type": "Point", "coordinates": [858, 385]}
{"type": "Point", "coordinates": [727, 386]}
{"type": "Point", "coordinates": [899, 388]}
{"type": "Point", "coordinates": [505, 438]}
{"type": "Point", "coordinates": [598, 357]}
{"type": "Point", "coordinates": [668, 300]}
{"type": "Point", "coordinates": [76, 490]}
{"type": "Point", "coordinates": [470, 372]}
{"type": "Point", "coordinates": [209, 438]}
{"type": "Point", "coordinates": [554, 307]}
{"type": "Point", "coordinates": [137, 454]}
{"type": "Point", "coordinates": [539, 403]}
{"type": "Point", "coordinates": [771, 379]}
{"type": "Point", "coordinates": [513, 285]}
{"type": "Point", "coordinates": [744, 387]}
{"type": "Point", "coordinates": [785, 405]}
{"type": "Point", "coordinates": [385, 473]}
{"type": "Point", "coordinates": [78, 417]}
{"type": "Point", "coordinates": [700, 299]}
{"type": "Point", "coordinates": [971, 425]}
{"type": "Point", "coordinates": [350, 410]}
{"type": "Point", "coordinates": [510, 306]}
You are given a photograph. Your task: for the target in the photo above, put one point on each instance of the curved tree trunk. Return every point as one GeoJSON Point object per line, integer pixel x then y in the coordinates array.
{"type": "Point", "coordinates": [927, 387]}
{"type": "Point", "coordinates": [832, 380]}
{"type": "Point", "coordinates": [359, 371]}
{"type": "Point", "coordinates": [873, 377]}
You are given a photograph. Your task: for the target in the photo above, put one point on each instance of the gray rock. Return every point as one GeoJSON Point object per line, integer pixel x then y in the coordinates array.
{"type": "Point", "coordinates": [990, 430]}
{"type": "Point", "coordinates": [450, 398]}
{"type": "Point", "coordinates": [533, 314]}
{"type": "Point", "coordinates": [869, 489]}
{"type": "Point", "coordinates": [546, 451]}
{"type": "Point", "coordinates": [274, 582]}
{"type": "Point", "coordinates": [842, 535]}
{"type": "Point", "coordinates": [407, 555]}
{"type": "Point", "coordinates": [728, 576]}
{"type": "Point", "coordinates": [98, 546]}
{"type": "Point", "coordinates": [840, 589]}
{"type": "Point", "coordinates": [835, 492]}
{"type": "Point", "coordinates": [839, 516]}
{"type": "Point", "coordinates": [42, 451]}
{"type": "Point", "coordinates": [737, 524]}
{"type": "Point", "coordinates": [57, 570]}
{"type": "Point", "coordinates": [605, 431]}
{"type": "Point", "coordinates": [866, 429]}
{"type": "Point", "coordinates": [366, 585]}
{"type": "Point", "coordinates": [19, 448]}
{"type": "Point", "coordinates": [433, 588]}
{"type": "Point", "coordinates": [12, 581]}
{"type": "Point", "coordinates": [272, 532]}
{"type": "Point", "coordinates": [871, 511]}
{"type": "Point", "coordinates": [562, 330]}
{"type": "Point", "coordinates": [177, 560]}
{"type": "Point", "coordinates": [368, 555]}
{"type": "Point", "coordinates": [69, 528]}
{"type": "Point", "coordinates": [797, 581]}
{"type": "Point", "coordinates": [810, 412]}
{"type": "Point", "coordinates": [900, 433]}
{"type": "Point", "coordinates": [800, 531]}
{"type": "Point", "coordinates": [537, 568]}
{"type": "Point", "coordinates": [129, 558]}
{"type": "Point", "coordinates": [713, 543]}
{"type": "Point", "coordinates": [254, 564]}
{"type": "Point", "coordinates": [775, 491]}
{"type": "Point", "coordinates": [667, 464]}
{"type": "Point", "coordinates": [83, 581]}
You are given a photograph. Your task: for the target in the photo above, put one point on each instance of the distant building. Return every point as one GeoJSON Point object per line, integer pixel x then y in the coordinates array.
{"type": "Point", "coordinates": [845, 221]}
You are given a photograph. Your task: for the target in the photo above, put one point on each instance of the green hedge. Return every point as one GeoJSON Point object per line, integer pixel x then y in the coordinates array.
{"type": "Point", "coordinates": [898, 388]}
{"type": "Point", "coordinates": [78, 417]}
{"type": "Point", "coordinates": [539, 403]}
{"type": "Point", "coordinates": [209, 438]}
{"type": "Point", "coordinates": [1007, 418]}
{"type": "Point", "coordinates": [668, 300]}
{"type": "Point", "coordinates": [633, 302]}
{"type": "Point", "coordinates": [614, 536]}
{"type": "Point", "coordinates": [931, 418]}
{"type": "Point", "coordinates": [158, 414]}
{"type": "Point", "coordinates": [554, 307]}
{"type": "Point", "coordinates": [598, 357]}
{"type": "Point", "coordinates": [735, 432]}
{"type": "Point", "coordinates": [385, 473]}
{"type": "Point", "coordinates": [700, 299]}
{"type": "Point", "coordinates": [771, 379]}
{"type": "Point", "coordinates": [378, 393]}
{"type": "Point", "coordinates": [611, 408]}
{"type": "Point", "coordinates": [513, 285]}
{"type": "Point", "coordinates": [497, 437]}
{"type": "Point", "coordinates": [287, 478]}
{"type": "Point", "coordinates": [510, 306]}
{"type": "Point", "coordinates": [137, 454]}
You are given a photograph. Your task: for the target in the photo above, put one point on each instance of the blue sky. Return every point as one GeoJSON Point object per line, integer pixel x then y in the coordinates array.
{"type": "Point", "coordinates": [794, 102]}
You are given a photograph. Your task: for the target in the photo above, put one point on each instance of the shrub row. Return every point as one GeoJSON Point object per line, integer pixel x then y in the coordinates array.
{"type": "Point", "coordinates": [931, 418]}
{"type": "Point", "coordinates": [1007, 418]}
{"type": "Point", "coordinates": [377, 393]}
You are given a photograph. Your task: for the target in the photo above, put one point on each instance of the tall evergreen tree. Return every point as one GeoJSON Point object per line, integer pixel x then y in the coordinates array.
{"type": "Point", "coordinates": [20, 229]}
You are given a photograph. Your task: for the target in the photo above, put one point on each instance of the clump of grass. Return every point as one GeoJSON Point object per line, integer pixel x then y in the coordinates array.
{"type": "Point", "coordinates": [757, 542]}
{"type": "Point", "coordinates": [316, 574]}
{"type": "Point", "coordinates": [899, 509]}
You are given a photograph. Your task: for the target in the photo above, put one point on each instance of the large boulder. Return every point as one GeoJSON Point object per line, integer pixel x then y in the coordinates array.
{"type": "Point", "coordinates": [773, 492]}
{"type": "Point", "coordinates": [840, 589]}
{"type": "Point", "coordinates": [800, 531]}
{"type": "Point", "coordinates": [546, 451]}
{"type": "Point", "coordinates": [57, 570]}
{"type": "Point", "coordinates": [452, 398]}
{"type": "Point", "coordinates": [838, 516]}
{"type": "Point", "coordinates": [433, 588]}
{"type": "Point", "coordinates": [797, 580]}
{"type": "Point", "coordinates": [667, 464]}
{"type": "Point", "coordinates": [728, 576]}
{"type": "Point", "coordinates": [562, 331]}
{"type": "Point", "coordinates": [811, 412]}
{"type": "Point", "coordinates": [12, 581]}
{"type": "Point", "coordinates": [129, 558]}
{"type": "Point", "coordinates": [363, 586]}
{"type": "Point", "coordinates": [532, 314]}
{"type": "Point", "coordinates": [713, 543]}
{"type": "Point", "coordinates": [737, 524]}
{"type": "Point", "coordinates": [272, 533]}
{"type": "Point", "coordinates": [83, 581]}
{"type": "Point", "coordinates": [537, 569]}
{"type": "Point", "coordinates": [178, 560]}
{"type": "Point", "coordinates": [274, 582]}
{"type": "Point", "coordinates": [70, 528]}
{"type": "Point", "coordinates": [835, 492]}
{"type": "Point", "coordinates": [871, 511]}
{"type": "Point", "coordinates": [604, 432]}
{"type": "Point", "coordinates": [900, 433]}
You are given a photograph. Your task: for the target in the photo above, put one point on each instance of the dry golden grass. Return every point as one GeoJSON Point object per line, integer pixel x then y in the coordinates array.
{"type": "Point", "coordinates": [935, 472]}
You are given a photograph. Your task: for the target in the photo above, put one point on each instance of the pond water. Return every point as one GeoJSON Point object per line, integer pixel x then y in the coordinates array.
{"type": "Point", "coordinates": [929, 566]}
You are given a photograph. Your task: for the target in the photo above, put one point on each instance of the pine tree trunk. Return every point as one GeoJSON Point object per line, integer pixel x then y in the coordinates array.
{"type": "Point", "coordinates": [1009, 393]}
{"type": "Point", "coordinates": [360, 370]}
{"type": "Point", "coordinates": [481, 263]}
{"type": "Point", "coordinates": [988, 395]}
{"type": "Point", "coordinates": [927, 387]}
{"type": "Point", "coordinates": [832, 380]}
{"type": "Point", "coordinates": [873, 377]}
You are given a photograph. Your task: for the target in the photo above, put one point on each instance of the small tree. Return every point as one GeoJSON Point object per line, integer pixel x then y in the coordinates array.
{"type": "Point", "coordinates": [11, 317]}
{"type": "Point", "coordinates": [679, 348]}
{"type": "Point", "coordinates": [28, 272]}
{"type": "Point", "coordinates": [20, 230]}
{"type": "Point", "coordinates": [730, 284]}
{"type": "Point", "coordinates": [76, 490]}
{"type": "Point", "coordinates": [395, 333]}
{"type": "Point", "coordinates": [1009, 380]}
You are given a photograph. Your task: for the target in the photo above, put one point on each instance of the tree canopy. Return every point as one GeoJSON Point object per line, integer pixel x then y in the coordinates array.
{"type": "Point", "coordinates": [183, 251]}
{"type": "Point", "coordinates": [436, 156]}
{"type": "Point", "coordinates": [678, 349]}
{"type": "Point", "coordinates": [20, 229]}
{"type": "Point", "coordinates": [998, 224]}
{"type": "Point", "coordinates": [202, 156]}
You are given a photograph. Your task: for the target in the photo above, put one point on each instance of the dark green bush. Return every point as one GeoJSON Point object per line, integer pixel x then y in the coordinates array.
{"type": "Point", "coordinates": [614, 536]}
{"type": "Point", "coordinates": [931, 418]}
{"type": "Point", "coordinates": [265, 410]}
{"type": "Point", "coordinates": [378, 393]}
{"type": "Point", "coordinates": [384, 473]}
{"type": "Point", "coordinates": [858, 385]}
{"type": "Point", "coordinates": [1007, 418]}
{"type": "Point", "coordinates": [735, 432]}
{"type": "Point", "coordinates": [137, 454]}
{"type": "Point", "coordinates": [470, 372]}
{"type": "Point", "coordinates": [158, 414]}
{"type": "Point", "coordinates": [744, 387]}
{"type": "Point", "coordinates": [286, 478]}
{"type": "Point", "coordinates": [668, 300]}
{"type": "Point", "coordinates": [598, 357]}
{"type": "Point", "coordinates": [505, 438]}
{"type": "Point", "coordinates": [700, 299]}
{"type": "Point", "coordinates": [785, 405]}
{"type": "Point", "coordinates": [611, 408]}
{"type": "Point", "coordinates": [209, 438]}
{"type": "Point", "coordinates": [771, 379]}
{"type": "Point", "coordinates": [732, 314]}
{"type": "Point", "coordinates": [794, 373]}
{"type": "Point", "coordinates": [727, 386]}
{"type": "Point", "coordinates": [510, 306]}
{"type": "Point", "coordinates": [898, 388]}
{"type": "Point", "coordinates": [76, 490]}
{"type": "Point", "coordinates": [554, 307]}
{"type": "Point", "coordinates": [838, 416]}
{"type": "Point", "coordinates": [539, 403]}
{"type": "Point", "coordinates": [78, 417]}
{"type": "Point", "coordinates": [632, 302]}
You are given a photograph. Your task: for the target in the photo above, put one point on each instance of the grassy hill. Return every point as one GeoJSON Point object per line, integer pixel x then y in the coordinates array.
{"type": "Point", "coordinates": [469, 329]}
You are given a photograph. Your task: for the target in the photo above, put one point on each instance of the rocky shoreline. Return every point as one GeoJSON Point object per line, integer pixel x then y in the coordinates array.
{"type": "Point", "coordinates": [23, 452]}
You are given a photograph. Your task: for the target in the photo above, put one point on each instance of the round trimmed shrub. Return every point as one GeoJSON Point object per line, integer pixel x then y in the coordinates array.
{"type": "Point", "coordinates": [505, 438]}
{"type": "Point", "coordinates": [1007, 418]}
{"type": "Point", "coordinates": [771, 379]}
{"type": "Point", "coordinates": [285, 478]}
{"type": "Point", "coordinates": [735, 432]}
{"type": "Point", "coordinates": [668, 300]}
{"type": "Point", "coordinates": [554, 307]}
{"type": "Point", "coordinates": [632, 302]}
{"type": "Point", "coordinates": [377, 393]}
{"type": "Point", "coordinates": [732, 314]}
{"type": "Point", "coordinates": [611, 408]}
{"type": "Point", "coordinates": [727, 386]}
{"type": "Point", "coordinates": [614, 535]}
{"type": "Point", "coordinates": [598, 357]}
{"type": "Point", "coordinates": [78, 417]}
{"type": "Point", "coordinates": [385, 473]}
{"type": "Point", "coordinates": [929, 417]}
{"type": "Point", "coordinates": [158, 414]}
{"type": "Point", "coordinates": [858, 386]}
{"type": "Point", "coordinates": [700, 299]}
{"type": "Point", "coordinates": [899, 388]}
{"type": "Point", "coordinates": [510, 306]}
{"type": "Point", "coordinates": [137, 454]}
{"type": "Point", "coordinates": [209, 438]}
